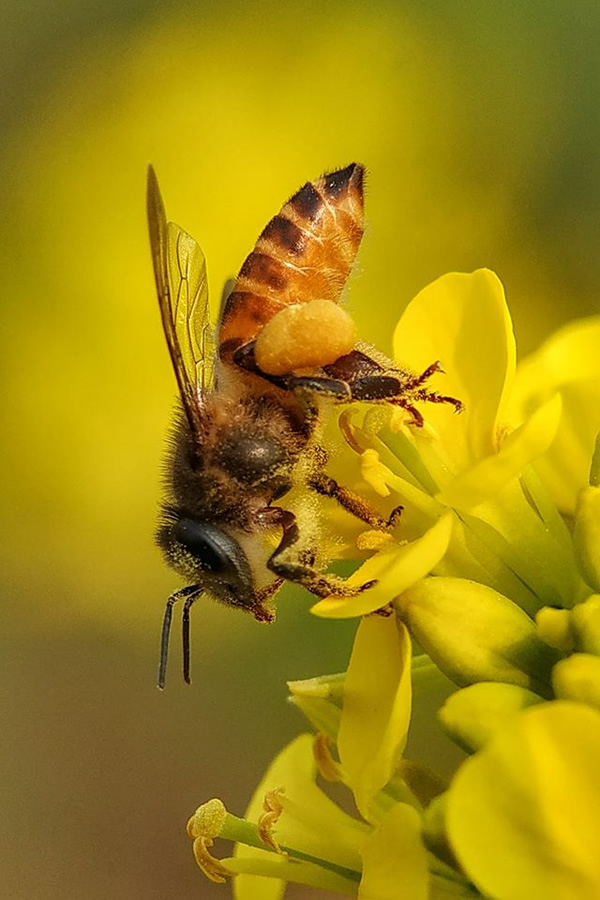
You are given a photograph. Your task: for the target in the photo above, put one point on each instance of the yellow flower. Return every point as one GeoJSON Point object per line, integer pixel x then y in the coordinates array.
{"type": "Point", "coordinates": [494, 571]}
{"type": "Point", "coordinates": [322, 844]}
{"type": "Point", "coordinates": [474, 506]}
{"type": "Point", "coordinates": [293, 831]}
{"type": "Point", "coordinates": [523, 814]}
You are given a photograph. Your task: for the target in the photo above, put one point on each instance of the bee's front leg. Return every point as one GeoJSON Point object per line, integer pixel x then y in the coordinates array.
{"type": "Point", "coordinates": [285, 563]}
{"type": "Point", "coordinates": [328, 487]}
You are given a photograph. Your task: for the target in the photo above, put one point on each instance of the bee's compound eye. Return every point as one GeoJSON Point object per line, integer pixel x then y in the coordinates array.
{"type": "Point", "coordinates": [211, 557]}
{"type": "Point", "coordinates": [215, 551]}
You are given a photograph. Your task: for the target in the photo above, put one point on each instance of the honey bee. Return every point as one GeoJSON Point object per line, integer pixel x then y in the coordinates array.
{"type": "Point", "coordinates": [243, 436]}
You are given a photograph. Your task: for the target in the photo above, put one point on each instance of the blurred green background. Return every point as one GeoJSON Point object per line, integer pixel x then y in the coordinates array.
{"type": "Point", "coordinates": [479, 125]}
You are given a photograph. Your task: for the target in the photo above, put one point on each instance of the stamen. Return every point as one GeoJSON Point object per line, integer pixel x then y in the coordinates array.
{"type": "Point", "coordinates": [273, 808]}
{"type": "Point", "coordinates": [373, 540]}
{"type": "Point", "coordinates": [328, 768]}
{"type": "Point", "coordinates": [349, 431]}
{"type": "Point", "coordinates": [212, 867]}
{"type": "Point", "coordinates": [373, 472]}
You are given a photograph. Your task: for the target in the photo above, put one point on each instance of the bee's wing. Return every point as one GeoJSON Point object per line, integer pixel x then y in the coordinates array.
{"type": "Point", "coordinates": [180, 274]}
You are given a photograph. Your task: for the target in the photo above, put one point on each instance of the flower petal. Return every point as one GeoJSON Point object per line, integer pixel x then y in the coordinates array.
{"type": "Point", "coordinates": [488, 476]}
{"type": "Point", "coordinates": [376, 711]}
{"type": "Point", "coordinates": [394, 859]}
{"type": "Point", "coordinates": [463, 321]}
{"type": "Point", "coordinates": [570, 363]}
{"type": "Point", "coordinates": [395, 570]}
{"type": "Point", "coordinates": [523, 814]}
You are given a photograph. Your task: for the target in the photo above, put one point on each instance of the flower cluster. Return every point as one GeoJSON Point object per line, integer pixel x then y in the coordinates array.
{"type": "Point", "coordinates": [493, 575]}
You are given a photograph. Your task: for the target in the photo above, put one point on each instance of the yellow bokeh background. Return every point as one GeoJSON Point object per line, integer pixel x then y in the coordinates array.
{"type": "Point", "coordinates": [479, 128]}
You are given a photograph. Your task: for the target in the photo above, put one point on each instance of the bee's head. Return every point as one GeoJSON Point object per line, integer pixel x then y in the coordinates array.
{"type": "Point", "coordinates": [213, 559]}
{"type": "Point", "coordinates": [216, 563]}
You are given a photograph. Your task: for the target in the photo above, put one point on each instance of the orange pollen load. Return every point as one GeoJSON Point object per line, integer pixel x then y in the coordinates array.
{"type": "Point", "coordinates": [306, 336]}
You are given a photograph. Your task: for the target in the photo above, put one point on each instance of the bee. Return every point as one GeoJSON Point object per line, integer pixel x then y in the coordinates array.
{"type": "Point", "coordinates": [244, 436]}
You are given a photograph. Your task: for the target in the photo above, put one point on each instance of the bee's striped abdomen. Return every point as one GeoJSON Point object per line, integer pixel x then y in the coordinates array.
{"type": "Point", "coordinates": [304, 253]}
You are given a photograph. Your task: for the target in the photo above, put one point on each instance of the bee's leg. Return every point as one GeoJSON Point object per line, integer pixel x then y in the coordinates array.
{"type": "Point", "coordinates": [262, 612]}
{"type": "Point", "coordinates": [288, 565]}
{"type": "Point", "coordinates": [245, 359]}
{"type": "Point", "coordinates": [328, 487]}
{"type": "Point", "coordinates": [355, 377]}
{"type": "Point", "coordinates": [368, 380]}
{"type": "Point", "coordinates": [304, 386]}
{"type": "Point", "coordinates": [372, 389]}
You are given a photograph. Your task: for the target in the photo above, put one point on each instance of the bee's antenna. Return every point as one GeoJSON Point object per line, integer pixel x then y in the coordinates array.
{"type": "Point", "coordinates": [185, 620]}
{"type": "Point", "coordinates": [166, 630]}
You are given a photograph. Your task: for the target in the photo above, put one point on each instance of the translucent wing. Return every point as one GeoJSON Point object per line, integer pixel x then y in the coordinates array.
{"type": "Point", "coordinates": [180, 274]}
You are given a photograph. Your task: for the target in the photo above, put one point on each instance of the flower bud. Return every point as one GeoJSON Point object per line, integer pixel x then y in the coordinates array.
{"type": "Point", "coordinates": [585, 618]}
{"type": "Point", "coordinates": [473, 633]}
{"type": "Point", "coordinates": [554, 628]}
{"type": "Point", "coordinates": [472, 716]}
{"type": "Point", "coordinates": [434, 831]}
{"type": "Point", "coordinates": [578, 678]}
{"type": "Point", "coordinates": [320, 699]}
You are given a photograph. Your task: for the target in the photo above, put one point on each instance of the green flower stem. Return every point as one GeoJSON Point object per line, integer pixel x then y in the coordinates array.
{"type": "Point", "coordinates": [284, 870]}
{"type": "Point", "coordinates": [395, 791]}
{"type": "Point", "coordinates": [242, 832]}
{"type": "Point", "coordinates": [330, 687]}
